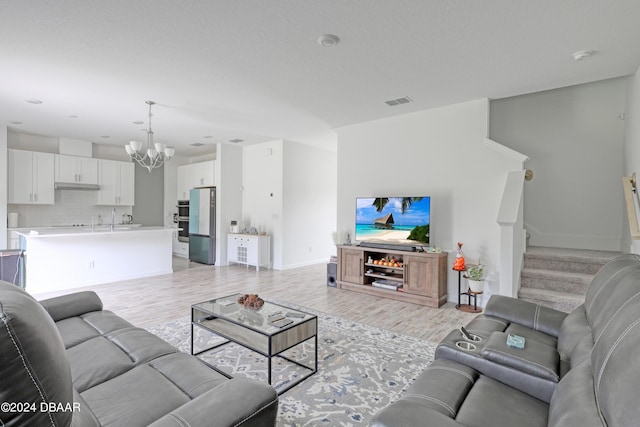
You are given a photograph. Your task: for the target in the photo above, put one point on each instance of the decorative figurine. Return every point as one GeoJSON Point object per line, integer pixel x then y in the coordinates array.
{"type": "Point", "coordinates": [458, 264]}
{"type": "Point", "coordinates": [348, 242]}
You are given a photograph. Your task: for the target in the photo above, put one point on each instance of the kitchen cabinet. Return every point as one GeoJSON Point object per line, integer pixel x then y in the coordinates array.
{"type": "Point", "coordinates": [203, 174]}
{"type": "Point", "coordinates": [249, 249]}
{"type": "Point", "coordinates": [194, 175]}
{"type": "Point", "coordinates": [30, 177]}
{"type": "Point", "coordinates": [76, 169]}
{"type": "Point", "coordinates": [13, 240]}
{"type": "Point", "coordinates": [117, 183]}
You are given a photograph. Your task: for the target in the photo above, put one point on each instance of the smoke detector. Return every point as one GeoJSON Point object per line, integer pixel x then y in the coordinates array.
{"type": "Point", "coordinates": [582, 54]}
{"type": "Point", "coordinates": [328, 40]}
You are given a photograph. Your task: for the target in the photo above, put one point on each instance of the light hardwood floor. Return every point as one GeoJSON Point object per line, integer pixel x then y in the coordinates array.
{"type": "Point", "coordinates": [153, 300]}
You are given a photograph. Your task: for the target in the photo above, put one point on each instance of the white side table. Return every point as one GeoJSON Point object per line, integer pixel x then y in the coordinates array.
{"type": "Point", "coordinates": [249, 249]}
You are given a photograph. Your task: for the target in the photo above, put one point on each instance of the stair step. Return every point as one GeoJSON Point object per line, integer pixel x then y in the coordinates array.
{"type": "Point", "coordinates": [562, 301]}
{"type": "Point", "coordinates": [570, 260]}
{"type": "Point", "coordinates": [555, 280]}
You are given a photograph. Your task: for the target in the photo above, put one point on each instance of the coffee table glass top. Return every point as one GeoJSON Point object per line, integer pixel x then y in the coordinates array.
{"type": "Point", "coordinates": [227, 308]}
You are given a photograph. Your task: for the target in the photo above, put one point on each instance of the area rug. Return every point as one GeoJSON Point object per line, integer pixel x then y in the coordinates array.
{"type": "Point", "coordinates": [361, 369]}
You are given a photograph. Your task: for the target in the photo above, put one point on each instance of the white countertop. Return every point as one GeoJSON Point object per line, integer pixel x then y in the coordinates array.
{"type": "Point", "coordinates": [88, 231]}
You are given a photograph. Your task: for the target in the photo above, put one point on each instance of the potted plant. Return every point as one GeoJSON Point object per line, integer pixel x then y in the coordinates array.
{"type": "Point", "coordinates": [475, 275]}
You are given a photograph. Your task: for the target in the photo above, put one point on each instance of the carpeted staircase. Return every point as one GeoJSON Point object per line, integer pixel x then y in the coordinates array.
{"type": "Point", "coordinates": [559, 278]}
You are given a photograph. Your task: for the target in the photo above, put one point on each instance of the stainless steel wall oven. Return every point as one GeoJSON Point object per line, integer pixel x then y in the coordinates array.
{"type": "Point", "coordinates": [183, 220]}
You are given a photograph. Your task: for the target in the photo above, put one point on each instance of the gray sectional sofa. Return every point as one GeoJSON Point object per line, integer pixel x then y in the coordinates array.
{"type": "Point", "coordinates": [579, 369]}
{"type": "Point", "coordinates": [67, 362]}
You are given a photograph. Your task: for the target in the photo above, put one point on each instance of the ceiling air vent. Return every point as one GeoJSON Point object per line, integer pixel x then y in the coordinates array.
{"type": "Point", "coordinates": [394, 102]}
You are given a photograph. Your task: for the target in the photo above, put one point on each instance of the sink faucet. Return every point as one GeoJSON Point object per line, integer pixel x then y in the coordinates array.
{"type": "Point", "coordinates": [113, 219]}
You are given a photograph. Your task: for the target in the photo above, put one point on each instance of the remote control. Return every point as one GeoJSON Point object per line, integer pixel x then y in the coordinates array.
{"type": "Point", "coordinates": [282, 323]}
{"type": "Point", "coordinates": [275, 317]}
{"type": "Point", "coordinates": [466, 334]}
{"type": "Point", "coordinates": [296, 315]}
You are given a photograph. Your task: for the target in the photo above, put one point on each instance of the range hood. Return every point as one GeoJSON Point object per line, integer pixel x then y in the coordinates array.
{"type": "Point", "coordinates": [75, 186]}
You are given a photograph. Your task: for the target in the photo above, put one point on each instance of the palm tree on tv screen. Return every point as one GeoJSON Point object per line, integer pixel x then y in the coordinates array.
{"type": "Point", "coordinates": [381, 202]}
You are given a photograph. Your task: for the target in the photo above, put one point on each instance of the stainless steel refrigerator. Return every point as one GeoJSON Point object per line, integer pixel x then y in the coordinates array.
{"type": "Point", "coordinates": [202, 225]}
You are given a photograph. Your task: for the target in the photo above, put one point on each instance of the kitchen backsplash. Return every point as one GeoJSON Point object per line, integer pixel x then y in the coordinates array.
{"type": "Point", "coordinates": [71, 207]}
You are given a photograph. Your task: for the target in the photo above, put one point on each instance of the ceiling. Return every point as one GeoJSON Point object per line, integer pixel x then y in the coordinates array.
{"type": "Point", "coordinates": [253, 69]}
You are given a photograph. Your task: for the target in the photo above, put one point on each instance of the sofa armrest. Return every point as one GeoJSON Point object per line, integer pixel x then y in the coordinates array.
{"type": "Point", "coordinates": [72, 305]}
{"type": "Point", "coordinates": [535, 358]}
{"type": "Point", "coordinates": [534, 316]}
{"type": "Point", "coordinates": [239, 402]}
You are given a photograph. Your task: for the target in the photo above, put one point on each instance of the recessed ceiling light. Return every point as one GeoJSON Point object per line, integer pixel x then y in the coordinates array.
{"type": "Point", "coordinates": [105, 136]}
{"type": "Point", "coordinates": [197, 144]}
{"type": "Point", "coordinates": [16, 122]}
{"type": "Point", "coordinates": [208, 136]}
{"type": "Point", "coordinates": [328, 40]}
{"type": "Point", "coordinates": [34, 101]}
{"type": "Point", "coordinates": [235, 141]}
{"type": "Point", "coordinates": [582, 54]}
{"type": "Point", "coordinates": [138, 122]}
{"type": "Point", "coordinates": [72, 116]}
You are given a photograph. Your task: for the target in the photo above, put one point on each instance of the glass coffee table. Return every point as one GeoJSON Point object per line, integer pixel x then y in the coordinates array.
{"type": "Point", "coordinates": [256, 330]}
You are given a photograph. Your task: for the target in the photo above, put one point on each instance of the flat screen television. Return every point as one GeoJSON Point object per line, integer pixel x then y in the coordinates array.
{"type": "Point", "coordinates": [394, 220]}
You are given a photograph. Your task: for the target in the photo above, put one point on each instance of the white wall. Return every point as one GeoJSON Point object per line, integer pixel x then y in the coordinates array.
{"type": "Point", "coordinates": [309, 213]}
{"type": "Point", "coordinates": [574, 139]}
{"type": "Point", "coordinates": [441, 153]}
{"type": "Point", "coordinates": [290, 193]}
{"type": "Point", "coordinates": [263, 193]}
{"type": "Point", "coordinates": [228, 179]}
{"type": "Point", "coordinates": [632, 146]}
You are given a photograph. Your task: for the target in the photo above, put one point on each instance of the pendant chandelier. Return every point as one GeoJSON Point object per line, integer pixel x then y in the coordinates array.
{"type": "Point", "coordinates": [151, 155]}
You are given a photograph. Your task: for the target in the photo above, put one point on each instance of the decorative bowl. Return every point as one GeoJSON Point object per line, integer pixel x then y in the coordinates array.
{"type": "Point", "coordinates": [251, 301]}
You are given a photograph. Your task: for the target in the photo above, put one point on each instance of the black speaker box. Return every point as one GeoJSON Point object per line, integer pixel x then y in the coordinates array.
{"type": "Point", "coordinates": [332, 274]}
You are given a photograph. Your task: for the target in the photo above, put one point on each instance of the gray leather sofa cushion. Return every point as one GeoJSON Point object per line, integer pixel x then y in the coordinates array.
{"type": "Point", "coordinates": [238, 402]}
{"type": "Point", "coordinates": [608, 278]}
{"type": "Point", "coordinates": [573, 330]}
{"type": "Point", "coordinates": [574, 404]}
{"type": "Point", "coordinates": [451, 394]}
{"type": "Point", "coordinates": [537, 359]}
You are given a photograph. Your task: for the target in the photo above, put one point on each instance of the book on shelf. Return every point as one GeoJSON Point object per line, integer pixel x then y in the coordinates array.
{"type": "Point", "coordinates": [387, 284]}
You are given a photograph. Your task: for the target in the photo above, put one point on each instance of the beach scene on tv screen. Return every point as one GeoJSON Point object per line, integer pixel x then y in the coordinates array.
{"type": "Point", "coordinates": [393, 219]}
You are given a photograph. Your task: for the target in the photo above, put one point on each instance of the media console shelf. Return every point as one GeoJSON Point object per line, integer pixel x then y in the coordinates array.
{"type": "Point", "coordinates": [417, 277]}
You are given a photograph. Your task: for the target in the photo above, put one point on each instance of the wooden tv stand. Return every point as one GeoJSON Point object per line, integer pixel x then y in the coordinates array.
{"type": "Point", "coordinates": [423, 275]}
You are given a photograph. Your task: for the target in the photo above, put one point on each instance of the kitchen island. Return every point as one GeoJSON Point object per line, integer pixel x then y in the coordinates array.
{"type": "Point", "coordinates": [58, 259]}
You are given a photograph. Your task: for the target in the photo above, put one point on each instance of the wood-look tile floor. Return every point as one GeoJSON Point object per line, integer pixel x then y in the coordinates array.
{"type": "Point", "coordinates": [153, 300]}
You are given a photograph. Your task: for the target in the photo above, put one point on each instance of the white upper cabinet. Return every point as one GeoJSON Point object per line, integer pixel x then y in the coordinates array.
{"type": "Point", "coordinates": [76, 169]}
{"type": "Point", "coordinates": [203, 174]}
{"type": "Point", "coordinates": [117, 183]}
{"type": "Point", "coordinates": [30, 177]}
{"type": "Point", "coordinates": [183, 182]}
{"type": "Point", "coordinates": [195, 175]}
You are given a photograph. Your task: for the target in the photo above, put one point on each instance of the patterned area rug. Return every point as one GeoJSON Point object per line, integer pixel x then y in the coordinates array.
{"type": "Point", "coordinates": [361, 369]}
